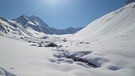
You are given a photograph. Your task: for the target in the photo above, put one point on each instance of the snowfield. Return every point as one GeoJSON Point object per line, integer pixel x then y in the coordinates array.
{"type": "Point", "coordinates": [106, 47]}
{"type": "Point", "coordinates": [19, 58]}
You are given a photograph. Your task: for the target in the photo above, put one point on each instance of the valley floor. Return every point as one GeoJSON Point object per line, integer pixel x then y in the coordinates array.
{"type": "Point", "coordinates": [21, 58]}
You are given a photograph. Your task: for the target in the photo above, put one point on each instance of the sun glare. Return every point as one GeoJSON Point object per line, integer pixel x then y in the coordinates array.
{"type": "Point", "coordinates": [57, 1]}
{"type": "Point", "coordinates": [53, 1]}
{"type": "Point", "coordinates": [54, 4]}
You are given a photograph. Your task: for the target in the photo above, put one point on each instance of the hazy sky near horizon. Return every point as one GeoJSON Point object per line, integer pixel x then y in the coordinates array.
{"type": "Point", "coordinates": [60, 13]}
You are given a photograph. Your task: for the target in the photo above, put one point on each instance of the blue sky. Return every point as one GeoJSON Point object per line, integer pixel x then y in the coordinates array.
{"type": "Point", "coordinates": [60, 13]}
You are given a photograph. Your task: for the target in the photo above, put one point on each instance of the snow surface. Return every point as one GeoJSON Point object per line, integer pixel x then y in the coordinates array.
{"type": "Point", "coordinates": [21, 59]}
{"type": "Point", "coordinates": [103, 48]}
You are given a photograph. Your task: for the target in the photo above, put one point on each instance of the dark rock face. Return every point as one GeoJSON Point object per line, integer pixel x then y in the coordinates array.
{"type": "Point", "coordinates": [51, 45]}
{"type": "Point", "coordinates": [82, 60]}
{"type": "Point", "coordinates": [2, 28]}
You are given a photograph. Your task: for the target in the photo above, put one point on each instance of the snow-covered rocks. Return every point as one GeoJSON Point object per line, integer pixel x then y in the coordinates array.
{"type": "Point", "coordinates": [3, 72]}
{"type": "Point", "coordinates": [66, 56]}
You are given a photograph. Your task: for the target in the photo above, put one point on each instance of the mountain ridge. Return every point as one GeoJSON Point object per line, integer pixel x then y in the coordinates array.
{"type": "Point", "coordinates": [31, 26]}
{"type": "Point", "coordinates": [43, 26]}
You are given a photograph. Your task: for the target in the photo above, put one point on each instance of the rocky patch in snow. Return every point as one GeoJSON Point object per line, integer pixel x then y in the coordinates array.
{"type": "Point", "coordinates": [66, 56]}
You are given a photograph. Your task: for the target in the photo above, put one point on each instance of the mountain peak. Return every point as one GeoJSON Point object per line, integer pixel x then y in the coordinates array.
{"type": "Point", "coordinates": [36, 20]}
{"type": "Point", "coordinates": [23, 19]}
{"type": "Point", "coordinates": [34, 17]}
{"type": "Point", "coordinates": [23, 16]}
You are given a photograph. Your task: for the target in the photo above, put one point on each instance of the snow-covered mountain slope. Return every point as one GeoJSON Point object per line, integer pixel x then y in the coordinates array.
{"type": "Point", "coordinates": [111, 37]}
{"type": "Point", "coordinates": [11, 28]}
{"type": "Point", "coordinates": [117, 24]}
{"type": "Point", "coordinates": [33, 22]}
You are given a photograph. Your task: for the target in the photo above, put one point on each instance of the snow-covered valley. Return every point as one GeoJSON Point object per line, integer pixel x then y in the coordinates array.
{"type": "Point", "coordinates": [106, 47]}
{"type": "Point", "coordinates": [22, 58]}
